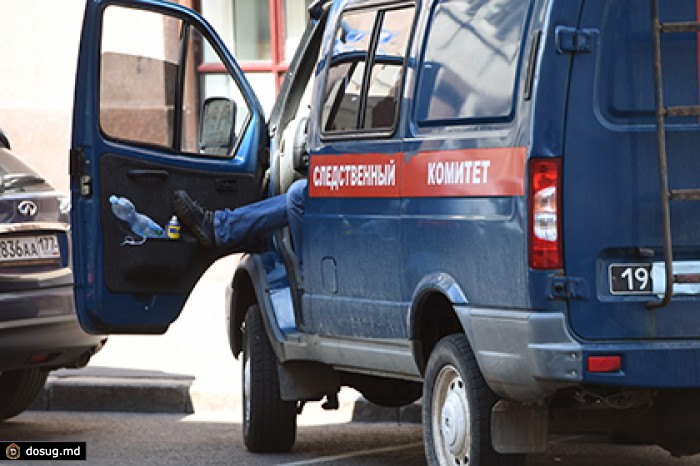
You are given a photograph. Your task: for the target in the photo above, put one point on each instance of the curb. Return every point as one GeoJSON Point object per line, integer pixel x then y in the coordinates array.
{"type": "Point", "coordinates": [139, 391]}
{"type": "Point", "coordinates": [115, 390]}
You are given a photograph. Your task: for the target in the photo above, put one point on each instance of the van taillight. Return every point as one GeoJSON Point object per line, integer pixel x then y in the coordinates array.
{"type": "Point", "coordinates": [545, 214]}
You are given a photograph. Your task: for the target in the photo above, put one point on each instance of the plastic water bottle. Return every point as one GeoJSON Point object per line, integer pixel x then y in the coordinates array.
{"type": "Point", "coordinates": [140, 224]}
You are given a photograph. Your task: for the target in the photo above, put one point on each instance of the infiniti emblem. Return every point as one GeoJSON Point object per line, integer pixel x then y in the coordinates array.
{"type": "Point", "coordinates": [27, 208]}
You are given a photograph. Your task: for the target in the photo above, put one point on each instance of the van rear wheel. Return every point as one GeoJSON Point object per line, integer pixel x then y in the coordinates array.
{"type": "Point", "coordinates": [269, 423]}
{"type": "Point", "coordinates": [457, 407]}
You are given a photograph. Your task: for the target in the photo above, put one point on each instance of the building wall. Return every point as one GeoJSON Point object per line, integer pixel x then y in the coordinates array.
{"type": "Point", "coordinates": [39, 43]}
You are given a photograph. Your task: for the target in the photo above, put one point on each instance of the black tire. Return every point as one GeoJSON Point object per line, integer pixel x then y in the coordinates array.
{"type": "Point", "coordinates": [269, 423]}
{"type": "Point", "coordinates": [457, 407]}
{"type": "Point", "coordinates": [18, 389]}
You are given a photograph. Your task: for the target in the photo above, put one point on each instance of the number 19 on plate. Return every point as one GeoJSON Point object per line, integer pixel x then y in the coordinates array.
{"type": "Point", "coordinates": [627, 279]}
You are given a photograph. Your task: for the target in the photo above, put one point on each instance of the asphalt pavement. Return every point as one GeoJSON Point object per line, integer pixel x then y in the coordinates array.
{"type": "Point", "coordinates": [188, 369]}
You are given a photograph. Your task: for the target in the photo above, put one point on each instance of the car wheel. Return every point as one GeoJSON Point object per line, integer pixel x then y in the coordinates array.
{"type": "Point", "coordinates": [18, 389]}
{"type": "Point", "coordinates": [269, 423]}
{"type": "Point", "coordinates": [457, 407]}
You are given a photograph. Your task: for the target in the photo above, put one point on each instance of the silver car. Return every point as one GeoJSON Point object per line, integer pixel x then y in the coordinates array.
{"type": "Point", "coordinates": [39, 330]}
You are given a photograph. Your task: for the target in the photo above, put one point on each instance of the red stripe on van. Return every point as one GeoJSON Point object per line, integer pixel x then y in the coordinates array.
{"type": "Point", "coordinates": [451, 173]}
{"type": "Point", "coordinates": [465, 173]}
{"type": "Point", "coordinates": [354, 175]}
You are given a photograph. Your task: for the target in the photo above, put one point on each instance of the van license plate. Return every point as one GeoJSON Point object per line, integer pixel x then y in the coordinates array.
{"type": "Point", "coordinates": [628, 279]}
{"type": "Point", "coordinates": [29, 250]}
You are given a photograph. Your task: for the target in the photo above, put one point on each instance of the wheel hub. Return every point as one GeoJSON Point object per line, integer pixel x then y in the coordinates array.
{"type": "Point", "coordinates": [246, 389]}
{"type": "Point", "coordinates": [454, 419]}
{"type": "Point", "coordinates": [453, 422]}
{"type": "Point", "coordinates": [451, 419]}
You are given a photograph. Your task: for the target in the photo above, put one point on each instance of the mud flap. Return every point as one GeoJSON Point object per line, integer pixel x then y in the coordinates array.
{"type": "Point", "coordinates": [519, 428]}
{"type": "Point", "coordinates": [307, 381]}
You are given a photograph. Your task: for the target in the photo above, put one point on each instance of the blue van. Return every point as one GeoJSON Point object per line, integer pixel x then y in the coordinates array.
{"type": "Point", "coordinates": [500, 213]}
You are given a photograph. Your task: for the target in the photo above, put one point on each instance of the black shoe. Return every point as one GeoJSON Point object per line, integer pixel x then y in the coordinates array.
{"type": "Point", "coordinates": [196, 219]}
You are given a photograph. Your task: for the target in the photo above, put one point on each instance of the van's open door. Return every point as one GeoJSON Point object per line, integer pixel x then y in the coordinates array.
{"type": "Point", "coordinates": [148, 121]}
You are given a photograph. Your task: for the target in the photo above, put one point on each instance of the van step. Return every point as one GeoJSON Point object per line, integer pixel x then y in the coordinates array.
{"type": "Point", "coordinates": [684, 195]}
{"type": "Point", "coordinates": [684, 26]}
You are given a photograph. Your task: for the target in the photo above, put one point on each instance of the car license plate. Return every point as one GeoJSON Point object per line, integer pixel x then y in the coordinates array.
{"type": "Point", "coordinates": [629, 279]}
{"type": "Point", "coordinates": [29, 250]}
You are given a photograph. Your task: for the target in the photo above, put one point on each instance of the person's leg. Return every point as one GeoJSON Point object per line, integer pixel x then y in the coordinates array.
{"type": "Point", "coordinates": [226, 227]}
{"type": "Point", "coordinates": [240, 225]}
{"type": "Point", "coordinates": [296, 199]}
{"type": "Point", "coordinates": [244, 223]}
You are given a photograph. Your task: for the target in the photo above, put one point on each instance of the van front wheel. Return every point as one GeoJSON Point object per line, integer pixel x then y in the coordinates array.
{"type": "Point", "coordinates": [269, 423]}
{"type": "Point", "coordinates": [457, 407]}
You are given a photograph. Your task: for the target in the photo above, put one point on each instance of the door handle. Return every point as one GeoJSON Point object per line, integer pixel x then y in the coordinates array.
{"type": "Point", "coordinates": [141, 173]}
{"type": "Point", "coordinates": [226, 184]}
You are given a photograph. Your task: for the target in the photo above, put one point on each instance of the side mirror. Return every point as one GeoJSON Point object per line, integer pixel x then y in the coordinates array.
{"type": "Point", "coordinates": [217, 130]}
{"type": "Point", "coordinates": [4, 141]}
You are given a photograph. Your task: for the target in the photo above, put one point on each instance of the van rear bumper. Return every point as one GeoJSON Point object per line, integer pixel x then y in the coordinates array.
{"type": "Point", "coordinates": [526, 356]}
{"type": "Point", "coordinates": [651, 364]}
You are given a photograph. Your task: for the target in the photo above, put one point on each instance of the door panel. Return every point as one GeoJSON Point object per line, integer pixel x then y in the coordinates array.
{"type": "Point", "coordinates": [160, 266]}
{"type": "Point", "coordinates": [145, 124]}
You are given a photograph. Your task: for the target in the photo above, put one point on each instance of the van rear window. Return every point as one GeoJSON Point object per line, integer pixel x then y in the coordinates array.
{"type": "Point", "coordinates": [470, 60]}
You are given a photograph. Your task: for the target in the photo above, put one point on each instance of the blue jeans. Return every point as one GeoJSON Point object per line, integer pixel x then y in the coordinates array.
{"type": "Point", "coordinates": [239, 226]}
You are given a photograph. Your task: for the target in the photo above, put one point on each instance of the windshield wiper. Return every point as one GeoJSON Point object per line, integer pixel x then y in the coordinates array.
{"type": "Point", "coordinates": [19, 180]}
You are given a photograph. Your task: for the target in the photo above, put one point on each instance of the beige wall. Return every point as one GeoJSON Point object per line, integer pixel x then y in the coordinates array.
{"type": "Point", "coordinates": [39, 42]}
{"type": "Point", "coordinates": [38, 53]}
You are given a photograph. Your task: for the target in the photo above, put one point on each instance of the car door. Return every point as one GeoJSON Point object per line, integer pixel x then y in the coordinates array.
{"type": "Point", "coordinates": [147, 122]}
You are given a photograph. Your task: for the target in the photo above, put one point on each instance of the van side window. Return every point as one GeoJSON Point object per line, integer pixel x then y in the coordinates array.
{"type": "Point", "coordinates": [470, 60]}
{"type": "Point", "coordinates": [347, 68]}
{"type": "Point", "coordinates": [356, 97]}
{"type": "Point", "coordinates": [387, 69]}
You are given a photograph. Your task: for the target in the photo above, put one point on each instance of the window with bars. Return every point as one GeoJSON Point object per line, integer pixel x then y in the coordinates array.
{"type": "Point", "coordinates": [261, 34]}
